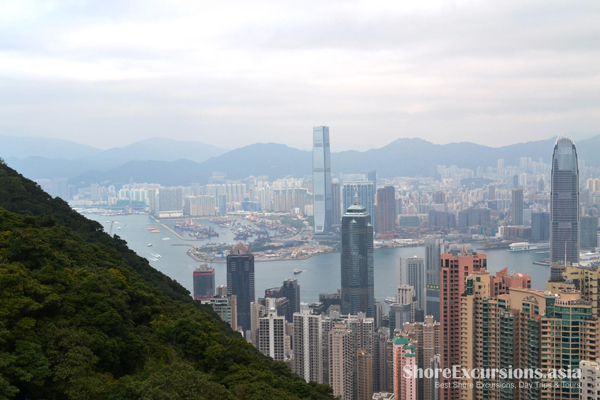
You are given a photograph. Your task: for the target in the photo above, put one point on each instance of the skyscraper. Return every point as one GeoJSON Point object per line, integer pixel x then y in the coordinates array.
{"type": "Point", "coordinates": [357, 262]}
{"type": "Point", "coordinates": [291, 291]}
{"type": "Point", "coordinates": [308, 346]}
{"type": "Point", "coordinates": [336, 199]}
{"type": "Point", "coordinates": [386, 210]}
{"type": "Point", "coordinates": [204, 283]}
{"type": "Point", "coordinates": [564, 203]}
{"type": "Point", "coordinates": [516, 207]}
{"type": "Point", "coordinates": [226, 307]}
{"type": "Point", "coordinates": [240, 281]}
{"type": "Point", "coordinates": [323, 204]}
{"type": "Point", "coordinates": [364, 192]}
{"type": "Point", "coordinates": [364, 375]}
{"type": "Point", "coordinates": [341, 362]}
{"type": "Point", "coordinates": [540, 226]}
{"type": "Point", "coordinates": [434, 247]}
{"type": "Point", "coordinates": [589, 232]}
{"type": "Point", "coordinates": [411, 271]}
{"type": "Point", "coordinates": [271, 334]}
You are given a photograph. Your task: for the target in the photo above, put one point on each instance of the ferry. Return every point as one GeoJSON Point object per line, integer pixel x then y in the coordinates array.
{"type": "Point", "coordinates": [297, 271]}
{"type": "Point", "coordinates": [526, 246]}
{"type": "Point", "coordinates": [390, 299]}
{"type": "Point", "coordinates": [587, 257]}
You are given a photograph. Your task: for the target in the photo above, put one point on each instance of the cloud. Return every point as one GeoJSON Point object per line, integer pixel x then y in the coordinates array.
{"type": "Point", "coordinates": [108, 73]}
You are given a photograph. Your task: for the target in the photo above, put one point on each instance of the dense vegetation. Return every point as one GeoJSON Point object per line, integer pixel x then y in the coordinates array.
{"type": "Point", "coordinates": [83, 317]}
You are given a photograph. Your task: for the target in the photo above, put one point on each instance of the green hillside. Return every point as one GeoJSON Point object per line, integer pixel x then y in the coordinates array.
{"type": "Point", "coordinates": [83, 317]}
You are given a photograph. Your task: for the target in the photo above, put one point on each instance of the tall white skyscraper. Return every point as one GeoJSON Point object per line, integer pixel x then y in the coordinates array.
{"type": "Point", "coordinates": [272, 333]}
{"type": "Point", "coordinates": [323, 201]}
{"type": "Point", "coordinates": [308, 346]}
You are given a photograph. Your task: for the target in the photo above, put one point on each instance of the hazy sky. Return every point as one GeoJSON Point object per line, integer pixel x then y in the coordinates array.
{"type": "Point", "coordinates": [231, 73]}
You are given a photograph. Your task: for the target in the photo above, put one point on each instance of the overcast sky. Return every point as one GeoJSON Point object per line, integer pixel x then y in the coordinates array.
{"type": "Point", "coordinates": [231, 73]}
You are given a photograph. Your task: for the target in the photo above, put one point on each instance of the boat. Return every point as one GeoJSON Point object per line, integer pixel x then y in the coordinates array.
{"type": "Point", "coordinates": [155, 255]}
{"type": "Point", "coordinates": [390, 299]}
{"type": "Point", "coordinates": [150, 245]}
{"type": "Point", "coordinates": [156, 231]}
{"type": "Point", "coordinates": [166, 239]}
{"type": "Point", "coordinates": [119, 228]}
{"type": "Point", "coordinates": [297, 271]}
{"type": "Point", "coordinates": [526, 246]}
{"type": "Point", "coordinates": [151, 229]}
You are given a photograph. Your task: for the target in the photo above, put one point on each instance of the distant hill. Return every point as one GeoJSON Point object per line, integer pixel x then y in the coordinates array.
{"type": "Point", "coordinates": [25, 146]}
{"type": "Point", "coordinates": [403, 157]}
{"type": "Point", "coordinates": [64, 159]}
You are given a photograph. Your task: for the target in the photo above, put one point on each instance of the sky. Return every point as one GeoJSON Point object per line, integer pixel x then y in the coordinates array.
{"type": "Point", "coordinates": [232, 73]}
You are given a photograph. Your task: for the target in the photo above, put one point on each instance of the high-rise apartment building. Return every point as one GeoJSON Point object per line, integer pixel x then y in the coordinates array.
{"type": "Point", "coordinates": [456, 266]}
{"type": "Point", "coordinates": [364, 375]}
{"type": "Point", "coordinates": [204, 283]}
{"type": "Point", "coordinates": [364, 193]}
{"type": "Point", "coordinates": [564, 203]}
{"type": "Point", "coordinates": [341, 362]}
{"type": "Point", "coordinates": [170, 202]}
{"type": "Point", "coordinates": [426, 336]}
{"type": "Point", "coordinates": [272, 333]}
{"type": "Point", "coordinates": [516, 207]}
{"type": "Point", "coordinates": [434, 247]}
{"type": "Point", "coordinates": [590, 380]}
{"type": "Point", "coordinates": [323, 204]}
{"type": "Point", "coordinates": [240, 281]}
{"type": "Point", "coordinates": [308, 346]}
{"type": "Point", "coordinates": [405, 386]}
{"type": "Point", "coordinates": [411, 271]}
{"type": "Point", "coordinates": [386, 210]}
{"type": "Point", "coordinates": [357, 262]}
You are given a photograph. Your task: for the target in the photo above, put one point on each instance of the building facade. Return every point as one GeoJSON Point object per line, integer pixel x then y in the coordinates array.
{"type": "Point", "coordinates": [240, 281]}
{"type": "Point", "coordinates": [323, 202]}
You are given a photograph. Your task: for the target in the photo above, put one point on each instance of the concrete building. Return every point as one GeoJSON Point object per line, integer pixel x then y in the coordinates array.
{"type": "Point", "coordinates": [590, 380]}
{"type": "Point", "coordinates": [272, 333]}
{"type": "Point", "coordinates": [588, 232]}
{"type": "Point", "coordinates": [426, 336]}
{"type": "Point", "coordinates": [411, 271]}
{"type": "Point", "coordinates": [341, 362]}
{"type": "Point", "coordinates": [226, 309]}
{"type": "Point", "coordinates": [516, 208]}
{"type": "Point", "coordinates": [364, 375]}
{"type": "Point", "coordinates": [386, 210]}
{"type": "Point", "coordinates": [308, 346]}
{"type": "Point", "coordinates": [405, 387]}
{"type": "Point", "coordinates": [204, 283]}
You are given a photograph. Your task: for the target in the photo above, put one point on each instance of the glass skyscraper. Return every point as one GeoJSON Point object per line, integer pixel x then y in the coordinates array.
{"type": "Point", "coordinates": [364, 192]}
{"type": "Point", "coordinates": [323, 204]}
{"type": "Point", "coordinates": [357, 262]}
{"type": "Point", "coordinates": [564, 203]}
{"type": "Point", "coordinates": [240, 281]}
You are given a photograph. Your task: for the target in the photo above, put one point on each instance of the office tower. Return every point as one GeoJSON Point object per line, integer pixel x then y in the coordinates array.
{"type": "Point", "coordinates": [357, 262]}
{"type": "Point", "coordinates": [540, 226]}
{"type": "Point", "coordinates": [589, 232]}
{"type": "Point", "coordinates": [336, 200]}
{"type": "Point", "coordinates": [589, 381]}
{"type": "Point", "coordinates": [405, 385]}
{"type": "Point", "coordinates": [411, 271]}
{"type": "Point", "coordinates": [271, 334]}
{"type": "Point", "coordinates": [379, 311]}
{"type": "Point", "coordinates": [240, 281]}
{"type": "Point", "coordinates": [364, 193]}
{"type": "Point", "coordinates": [426, 336]}
{"type": "Point", "coordinates": [434, 247]}
{"type": "Point", "coordinates": [491, 192]}
{"type": "Point", "coordinates": [308, 346]}
{"type": "Point", "coordinates": [226, 308]}
{"type": "Point", "coordinates": [404, 309]}
{"type": "Point", "coordinates": [372, 177]}
{"type": "Point", "coordinates": [364, 375]}
{"type": "Point", "coordinates": [500, 163]}
{"type": "Point", "coordinates": [564, 203]}
{"type": "Point", "coordinates": [456, 266]}
{"type": "Point", "coordinates": [204, 282]}
{"type": "Point", "coordinates": [323, 206]}
{"type": "Point", "coordinates": [515, 181]}
{"type": "Point", "coordinates": [516, 208]}
{"type": "Point", "coordinates": [291, 291]}
{"type": "Point", "coordinates": [386, 210]}
{"type": "Point", "coordinates": [222, 201]}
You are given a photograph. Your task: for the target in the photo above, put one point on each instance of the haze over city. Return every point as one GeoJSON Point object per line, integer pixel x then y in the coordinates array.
{"type": "Point", "coordinates": [230, 74]}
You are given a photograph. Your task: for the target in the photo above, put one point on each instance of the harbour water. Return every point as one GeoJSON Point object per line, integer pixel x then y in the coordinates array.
{"type": "Point", "coordinates": [321, 274]}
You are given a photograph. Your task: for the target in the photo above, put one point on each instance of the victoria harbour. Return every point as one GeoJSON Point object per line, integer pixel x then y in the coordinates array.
{"type": "Point", "coordinates": [321, 274]}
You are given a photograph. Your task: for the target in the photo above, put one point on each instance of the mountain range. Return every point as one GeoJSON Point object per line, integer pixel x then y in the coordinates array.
{"type": "Point", "coordinates": [172, 163]}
